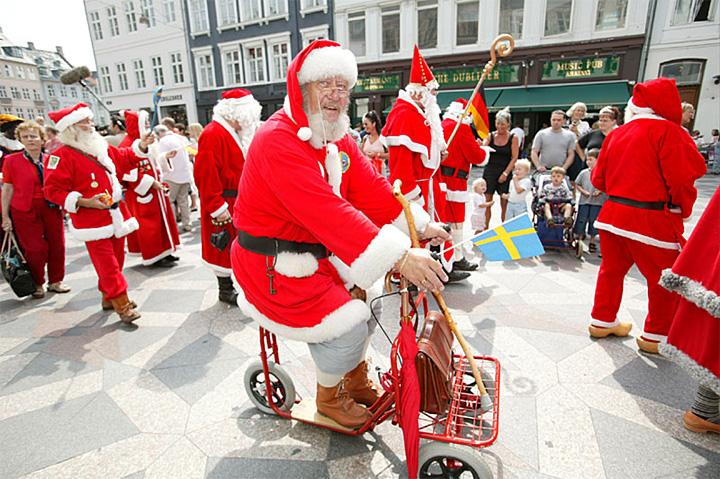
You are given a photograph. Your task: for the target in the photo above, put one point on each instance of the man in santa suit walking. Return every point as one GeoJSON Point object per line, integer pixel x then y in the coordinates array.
{"type": "Point", "coordinates": [218, 167]}
{"type": "Point", "coordinates": [316, 223]}
{"type": "Point", "coordinates": [157, 238]}
{"type": "Point", "coordinates": [84, 180]}
{"type": "Point", "coordinates": [648, 168]}
{"type": "Point", "coordinates": [464, 151]}
{"type": "Point", "coordinates": [414, 137]}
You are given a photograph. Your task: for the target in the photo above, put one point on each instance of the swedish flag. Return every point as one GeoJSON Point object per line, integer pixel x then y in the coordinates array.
{"type": "Point", "coordinates": [513, 239]}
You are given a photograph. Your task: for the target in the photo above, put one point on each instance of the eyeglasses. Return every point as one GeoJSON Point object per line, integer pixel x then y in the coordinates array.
{"type": "Point", "coordinates": [328, 88]}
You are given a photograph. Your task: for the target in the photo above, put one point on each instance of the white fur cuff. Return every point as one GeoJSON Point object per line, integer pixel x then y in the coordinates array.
{"type": "Point", "coordinates": [71, 201]}
{"type": "Point", "coordinates": [382, 253]}
{"type": "Point", "coordinates": [296, 265]}
{"type": "Point", "coordinates": [145, 184]}
{"type": "Point", "coordinates": [132, 176]}
{"type": "Point", "coordinates": [422, 219]}
{"type": "Point", "coordinates": [219, 211]}
{"type": "Point", "coordinates": [138, 152]}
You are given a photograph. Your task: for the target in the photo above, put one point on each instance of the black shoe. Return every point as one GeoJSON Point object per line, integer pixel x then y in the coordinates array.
{"type": "Point", "coordinates": [166, 262]}
{"type": "Point", "coordinates": [455, 276]}
{"type": "Point", "coordinates": [226, 291]}
{"type": "Point", "coordinates": [464, 265]}
{"type": "Point", "coordinates": [173, 258]}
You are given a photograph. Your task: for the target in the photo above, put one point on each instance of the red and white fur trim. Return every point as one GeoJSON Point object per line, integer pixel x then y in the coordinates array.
{"type": "Point", "coordinates": [71, 201]}
{"type": "Point", "coordinates": [328, 62]}
{"type": "Point", "coordinates": [603, 324]}
{"type": "Point", "coordinates": [382, 253]}
{"type": "Point", "coordinates": [295, 265]}
{"type": "Point", "coordinates": [693, 291]}
{"type": "Point", "coordinates": [74, 117]}
{"type": "Point", "coordinates": [145, 184]}
{"type": "Point", "coordinates": [637, 236]}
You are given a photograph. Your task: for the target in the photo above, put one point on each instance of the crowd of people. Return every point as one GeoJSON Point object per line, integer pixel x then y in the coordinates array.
{"type": "Point", "coordinates": [278, 223]}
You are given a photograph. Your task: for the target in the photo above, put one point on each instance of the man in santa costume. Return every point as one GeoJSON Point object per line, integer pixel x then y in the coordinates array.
{"type": "Point", "coordinates": [648, 168]}
{"type": "Point", "coordinates": [315, 224]}
{"type": "Point", "coordinates": [414, 136]}
{"type": "Point", "coordinates": [157, 238]}
{"type": "Point", "coordinates": [464, 151]}
{"type": "Point", "coordinates": [84, 180]}
{"type": "Point", "coordinates": [218, 167]}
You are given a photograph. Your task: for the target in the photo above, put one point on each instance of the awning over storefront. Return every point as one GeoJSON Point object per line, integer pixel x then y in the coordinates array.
{"type": "Point", "coordinates": [547, 97]}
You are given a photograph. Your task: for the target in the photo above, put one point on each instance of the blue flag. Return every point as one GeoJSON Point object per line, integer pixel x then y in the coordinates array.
{"type": "Point", "coordinates": [156, 101]}
{"type": "Point", "coordinates": [514, 239]}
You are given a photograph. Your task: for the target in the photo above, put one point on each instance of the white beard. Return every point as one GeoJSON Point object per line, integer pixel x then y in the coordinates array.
{"type": "Point", "coordinates": [432, 119]}
{"type": "Point", "coordinates": [324, 131]}
{"type": "Point", "coordinates": [90, 142]}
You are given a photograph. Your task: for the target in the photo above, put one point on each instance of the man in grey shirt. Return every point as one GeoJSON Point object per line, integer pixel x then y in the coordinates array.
{"type": "Point", "coordinates": [553, 146]}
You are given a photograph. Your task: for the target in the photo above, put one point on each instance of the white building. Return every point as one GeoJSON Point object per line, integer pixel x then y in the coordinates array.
{"type": "Point", "coordinates": [685, 44]}
{"type": "Point", "coordinates": [140, 45]}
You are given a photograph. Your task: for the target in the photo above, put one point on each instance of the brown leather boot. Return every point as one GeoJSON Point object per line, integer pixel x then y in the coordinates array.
{"type": "Point", "coordinates": [336, 404]}
{"type": "Point", "coordinates": [360, 387]}
{"type": "Point", "coordinates": [107, 304]}
{"type": "Point", "coordinates": [125, 309]}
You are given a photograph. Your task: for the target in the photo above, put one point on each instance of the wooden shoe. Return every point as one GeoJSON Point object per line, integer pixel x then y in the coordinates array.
{"type": "Point", "coordinates": [647, 346]}
{"type": "Point", "coordinates": [58, 287]}
{"type": "Point", "coordinates": [39, 292]}
{"type": "Point", "coordinates": [697, 424]}
{"type": "Point", "coordinates": [620, 330]}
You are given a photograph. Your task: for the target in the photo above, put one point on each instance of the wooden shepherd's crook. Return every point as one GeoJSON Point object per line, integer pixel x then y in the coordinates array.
{"type": "Point", "coordinates": [503, 50]}
{"type": "Point", "coordinates": [485, 400]}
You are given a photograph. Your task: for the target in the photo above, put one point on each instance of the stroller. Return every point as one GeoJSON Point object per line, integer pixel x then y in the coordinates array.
{"type": "Point", "coordinates": [559, 236]}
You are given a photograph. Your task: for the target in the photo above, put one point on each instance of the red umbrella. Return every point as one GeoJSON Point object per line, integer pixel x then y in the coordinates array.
{"type": "Point", "coordinates": [409, 396]}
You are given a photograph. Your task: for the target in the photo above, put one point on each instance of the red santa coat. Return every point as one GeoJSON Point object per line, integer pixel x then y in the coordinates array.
{"type": "Point", "coordinates": [218, 167]}
{"type": "Point", "coordinates": [694, 339]}
{"type": "Point", "coordinates": [157, 236]}
{"type": "Point", "coordinates": [462, 152]}
{"type": "Point", "coordinates": [292, 191]}
{"type": "Point", "coordinates": [75, 176]}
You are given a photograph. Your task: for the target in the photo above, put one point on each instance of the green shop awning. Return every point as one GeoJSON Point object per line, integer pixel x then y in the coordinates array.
{"type": "Point", "coordinates": [547, 97]}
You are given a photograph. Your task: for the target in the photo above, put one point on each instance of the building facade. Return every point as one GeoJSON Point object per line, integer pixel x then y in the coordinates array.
{"type": "Point", "coordinates": [21, 92]}
{"type": "Point", "coordinates": [684, 43]}
{"type": "Point", "coordinates": [140, 46]}
{"type": "Point", "coordinates": [565, 51]}
{"type": "Point", "coordinates": [249, 44]}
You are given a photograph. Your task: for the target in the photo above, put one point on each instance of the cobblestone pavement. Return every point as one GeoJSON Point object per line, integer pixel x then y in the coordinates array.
{"type": "Point", "coordinates": [82, 396]}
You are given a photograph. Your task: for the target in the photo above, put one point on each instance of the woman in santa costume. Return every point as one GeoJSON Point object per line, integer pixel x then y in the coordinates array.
{"type": "Point", "coordinates": [694, 339]}
{"type": "Point", "coordinates": [463, 152]}
{"type": "Point", "coordinates": [315, 220]}
{"type": "Point", "coordinates": [648, 168]}
{"type": "Point", "coordinates": [414, 137]}
{"type": "Point", "coordinates": [156, 240]}
{"type": "Point", "coordinates": [218, 168]}
{"type": "Point", "coordinates": [84, 180]}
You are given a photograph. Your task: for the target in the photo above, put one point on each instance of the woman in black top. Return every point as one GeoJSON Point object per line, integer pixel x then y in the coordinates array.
{"type": "Point", "coordinates": [498, 171]}
{"type": "Point", "coordinates": [608, 120]}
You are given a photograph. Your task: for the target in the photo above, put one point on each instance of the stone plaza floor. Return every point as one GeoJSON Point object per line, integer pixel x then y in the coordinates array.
{"type": "Point", "coordinates": [83, 396]}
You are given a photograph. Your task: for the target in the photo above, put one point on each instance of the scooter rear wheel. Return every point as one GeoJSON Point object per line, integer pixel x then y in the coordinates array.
{"type": "Point", "coordinates": [283, 389]}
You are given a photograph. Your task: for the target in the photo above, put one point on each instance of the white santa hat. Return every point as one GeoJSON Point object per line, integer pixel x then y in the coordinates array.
{"type": "Point", "coordinates": [321, 59]}
{"type": "Point", "coordinates": [239, 105]}
{"type": "Point", "coordinates": [70, 115]}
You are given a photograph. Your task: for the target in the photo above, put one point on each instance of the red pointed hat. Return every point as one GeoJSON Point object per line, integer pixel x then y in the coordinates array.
{"type": "Point", "coordinates": [659, 96]}
{"type": "Point", "coordinates": [420, 73]}
{"type": "Point", "coordinates": [70, 115]}
{"type": "Point", "coordinates": [321, 59]}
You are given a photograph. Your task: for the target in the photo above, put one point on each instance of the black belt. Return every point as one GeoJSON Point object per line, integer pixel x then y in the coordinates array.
{"type": "Point", "coordinates": [447, 171]}
{"type": "Point", "coordinates": [272, 246]}
{"type": "Point", "coordinates": [645, 205]}
{"type": "Point", "coordinates": [229, 194]}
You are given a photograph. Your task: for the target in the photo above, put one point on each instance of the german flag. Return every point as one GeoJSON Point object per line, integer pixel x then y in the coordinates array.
{"type": "Point", "coordinates": [478, 108]}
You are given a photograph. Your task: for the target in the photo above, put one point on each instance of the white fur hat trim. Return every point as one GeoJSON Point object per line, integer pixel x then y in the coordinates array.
{"type": "Point", "coordinates": [328, 62]}
{"type": "Point", "coordinates": [74, 117]}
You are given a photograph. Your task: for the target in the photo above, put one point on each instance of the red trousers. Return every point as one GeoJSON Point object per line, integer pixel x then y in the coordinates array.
{"type": "Point", "coordinates": [41, 234]}
{"type": "Point", "coordinates": [619, 254]}
{"type": "Point", "coordinates": [108, 257]}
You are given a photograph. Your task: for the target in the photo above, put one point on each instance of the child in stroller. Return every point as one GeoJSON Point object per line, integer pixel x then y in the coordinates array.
{"type": "Point", "coordinates": [556, 198]}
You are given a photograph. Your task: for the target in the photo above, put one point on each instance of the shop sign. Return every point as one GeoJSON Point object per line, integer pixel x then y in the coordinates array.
{"type": "Point", "coordinates": [470, 76]}
{"type": "Point", "coordinates": [377, 83]}
{"type": "Point", "coordinates": [167, 98]}
{"type": "Point", "coordinates": [582, 68]}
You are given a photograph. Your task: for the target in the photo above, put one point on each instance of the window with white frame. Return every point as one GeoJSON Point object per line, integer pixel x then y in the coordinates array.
{"type": "Point", "coordinates": [85, 95]}
{"type": "Point", "coordinates": [611, 14]}
{"type": "Point", "coordinates": [233, 66]}
{"type": "Point", "coordinates": [9, 71]}
{"type": "Point", "coordinates": [690, 11]}
{"type": "Point", "coordinates": [310, 4]}
{"type": "Point", "coordinates": [279, 59]}
{"type": "Point", "coordinates": [73, 92]}
{"type": "Point", "coordinates": [19, 112]}
{"type": "Point", "coordinates": [177, 68]}
{"type": "Point", "coordinates": [51, 90]}
{"type": "Point", "coordinates": [684, 72]}
{"type": "Point", "coordinates": [390, 18]}
{"type": "Point", "coordinates": [113, 21]}
{"type": "Point", "coordinates": [227, 12]}
{"type": "Point", "coordinates": [557, 17]}
{"type": "Point", "coordinates": [205, 70]}
{"type": "Point", "coordinates": [7, 110]}
{"type": "Point", "coordinates": [130, 19]}
{"type": "Point", "coordinates": [309, 35]}
{"type": "Point", "coordinates": [157, 69]}
{"type": "Point", "coordinates": [63, 91]}
{"type": "Point", "coordinates": [511, 17]}
{"type": "Point", "coordinates": [122, 76]}
{"type": "Point", "coordinates": [36, 95]}
{"type": "Point", "coordinates": [20, 71]}
{"type": "Point", "coordinates": [3, 91]}
{"type": "Point", "coordinates": [147, 10]}
{"type": "Point", "coordinates": [198, 16]}
{"type": "Point", "coordinates": [105, 80]}
{"type": "Point", "coordinates": [427, 27]}
{"type": "Point", "coordinates": [356, 33]}
{"type": "Point", "coordinates": [139, 74]}
{"type": "Point", "coordinates": [31, 113]}
{"type": "Point", "coordinates": [41, 112]}
{"type": "Point", "coordinates": [168, 8]}
{"type": "Point", "coordinates": [467, 22]}
{"type": "Point", "coordinates": [95, 25]}
{"type": "Point", "coordinates": [275, 7]}
{"type": "Point", "coordinates": [251, 10]}
{"type": "Point", "coordinates": [255, 59]}
{"type": "Point", "coordinates": [26, 94]}
{"type": "Point", "coordinates": [31, 74]}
